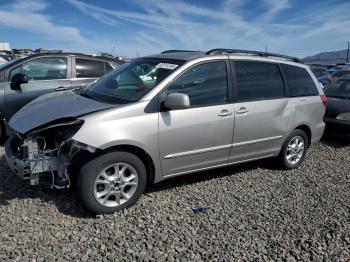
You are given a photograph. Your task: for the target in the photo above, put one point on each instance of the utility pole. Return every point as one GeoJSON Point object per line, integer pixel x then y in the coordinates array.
{"type": "Point", "coordinates": [266, 49]}
{"type": "Point", "coordinates": [347, 54]}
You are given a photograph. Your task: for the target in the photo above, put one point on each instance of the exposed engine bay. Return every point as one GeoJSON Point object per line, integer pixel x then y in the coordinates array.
{"type": "Point", "coordinates": [45, 155]}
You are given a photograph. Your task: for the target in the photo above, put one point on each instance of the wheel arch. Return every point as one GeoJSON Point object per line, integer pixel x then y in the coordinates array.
{"type": "Point", "coordinates": [307, 130]}
{"type": "Point", "coordinates": [144, 156]}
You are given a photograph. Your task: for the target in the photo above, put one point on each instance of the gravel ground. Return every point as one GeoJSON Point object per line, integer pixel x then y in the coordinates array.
{"type": "Point", "coordinates": [254, 212]}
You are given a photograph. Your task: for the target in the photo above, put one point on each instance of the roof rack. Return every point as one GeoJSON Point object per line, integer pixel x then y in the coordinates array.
{"type": "Point", "coordinates": [176, 51]}
{"type": "Point", "coordinates": [257, 53]}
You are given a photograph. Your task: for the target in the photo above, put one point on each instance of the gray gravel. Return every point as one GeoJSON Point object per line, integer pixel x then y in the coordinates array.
{"type": "Point", "coordinates": [255, 212]}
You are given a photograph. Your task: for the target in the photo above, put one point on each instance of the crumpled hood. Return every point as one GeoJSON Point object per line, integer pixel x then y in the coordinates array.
{"type": "Point", "coordinates": [54, 106]}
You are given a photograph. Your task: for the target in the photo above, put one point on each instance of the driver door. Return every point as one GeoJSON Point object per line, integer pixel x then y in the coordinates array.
{"type": "Point", "coordinates": [200, 136]}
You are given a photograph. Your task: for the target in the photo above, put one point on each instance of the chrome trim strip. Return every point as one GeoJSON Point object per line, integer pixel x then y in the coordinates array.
{"type": "Point", "coordinates": [215, 148]}
{"type": "Point", "coordinates": [256, 141]}
{"type": "Point", "coordinates": [217, 166]}
{"type": "Point", "coordinates": [198, 151]}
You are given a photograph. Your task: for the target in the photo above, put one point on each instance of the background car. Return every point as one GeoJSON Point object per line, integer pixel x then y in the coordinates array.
{"type": "Point", "coordinates": [322, 75]}
{"type": "Point", "coordinates": [46, 72]}
{"type": "Point", "coordinates": [340, 73]}
{"type": "Point", "coordinates": [337, 117]}
{"type": "Point", "coordinates": [334, 69]}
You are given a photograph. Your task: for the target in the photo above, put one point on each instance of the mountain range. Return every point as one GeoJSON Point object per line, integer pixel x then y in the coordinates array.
{"type": "Point", "coordinates": [332, 57]}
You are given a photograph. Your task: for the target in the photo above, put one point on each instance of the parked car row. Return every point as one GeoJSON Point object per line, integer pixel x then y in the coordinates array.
{"type": "Point", "coordinates": [327, 74]}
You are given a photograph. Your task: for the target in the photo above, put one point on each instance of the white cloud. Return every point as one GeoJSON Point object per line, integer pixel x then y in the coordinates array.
{"type": "Point", "coordinates": [160, 24]}
{"type": "Point", "coordinates": [25, 15]}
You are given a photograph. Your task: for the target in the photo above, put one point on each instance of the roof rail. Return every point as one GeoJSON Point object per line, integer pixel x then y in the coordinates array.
{"type": "Point", "coordinates": [249, 52]}
{"type": "Point", "coordinates": [176, 51]}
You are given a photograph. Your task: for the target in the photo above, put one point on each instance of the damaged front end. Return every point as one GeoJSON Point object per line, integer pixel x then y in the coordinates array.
{"type": "Point", "coordinates": [45, 155]}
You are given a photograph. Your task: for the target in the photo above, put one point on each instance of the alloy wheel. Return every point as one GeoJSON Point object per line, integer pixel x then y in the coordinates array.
{"type": "Point", "coordinates": [116, 184]}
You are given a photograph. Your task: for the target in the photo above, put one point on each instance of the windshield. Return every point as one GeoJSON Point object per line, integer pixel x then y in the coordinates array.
{"type": "Point", "coordinates": [340, 88]}
{"type": "Point", "coordinates": [319, 72]}
{"type": "Point", "coordinates": [132, 80]}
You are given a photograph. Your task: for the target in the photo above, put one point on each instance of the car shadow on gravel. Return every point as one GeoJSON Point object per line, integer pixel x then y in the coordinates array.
{"type": "Point", "coordinates": [67, 200]}
{"type": "Point", "coordinates": [336, 141]}
{"type": "Point", "coordinates": [203, 176]}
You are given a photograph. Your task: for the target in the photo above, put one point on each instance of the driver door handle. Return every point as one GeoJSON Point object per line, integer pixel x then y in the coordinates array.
{"type": "Point", "coordinates": [225, 112]}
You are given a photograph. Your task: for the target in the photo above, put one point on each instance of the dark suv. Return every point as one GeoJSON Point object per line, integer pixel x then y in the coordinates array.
{"type": "Point", "coordinates": [23, 79]}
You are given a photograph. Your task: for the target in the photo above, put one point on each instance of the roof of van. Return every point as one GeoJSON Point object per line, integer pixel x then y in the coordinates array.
{"type": "Point", "coordinates": [189, 55]}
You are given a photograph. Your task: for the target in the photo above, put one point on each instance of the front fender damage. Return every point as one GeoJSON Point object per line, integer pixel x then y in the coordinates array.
{"type": "Point", "coordinates": [45, 155]}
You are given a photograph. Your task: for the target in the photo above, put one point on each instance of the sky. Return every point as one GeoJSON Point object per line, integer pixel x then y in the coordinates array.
{"type": "Point", "coordinates": [142, 27]}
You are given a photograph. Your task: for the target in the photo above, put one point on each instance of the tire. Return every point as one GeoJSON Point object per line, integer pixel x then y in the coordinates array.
{"type": "Point", "coordinates": [289, 148]}
{"type": "Point", "coordinates": [100, 176]}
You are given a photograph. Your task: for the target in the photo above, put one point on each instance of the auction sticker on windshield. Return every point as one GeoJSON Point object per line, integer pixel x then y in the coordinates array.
{"type": "Point", "coordinates": [166, 66]}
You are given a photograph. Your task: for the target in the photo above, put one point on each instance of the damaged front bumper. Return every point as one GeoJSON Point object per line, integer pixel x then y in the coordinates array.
{"type": "Point", "coordinates": [18, 166]}
{"type": "Point", "coordinates": [29, 161]}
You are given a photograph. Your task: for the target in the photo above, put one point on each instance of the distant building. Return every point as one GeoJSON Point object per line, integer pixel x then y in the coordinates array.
{"type": "Point", "coordinates": [5, 47]}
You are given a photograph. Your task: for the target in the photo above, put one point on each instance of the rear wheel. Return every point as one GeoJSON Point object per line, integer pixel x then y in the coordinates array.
{"type": "Point", "coordinates": [112, 182]}
{"type": "Point", "coordinates": [294, 149]}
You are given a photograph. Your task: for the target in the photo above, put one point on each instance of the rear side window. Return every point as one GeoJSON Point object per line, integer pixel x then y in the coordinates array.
{"type": "Point", "coordinates": [258, 81]}
{"type": "Point", "coordinates": [299, 81]}
{"type": "Point", "coordinates": [86, 68]}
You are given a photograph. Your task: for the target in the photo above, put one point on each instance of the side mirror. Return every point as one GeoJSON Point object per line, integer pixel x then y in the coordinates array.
{"type": "Point", "coordinates": [177, 101]}
{"type": "Point", "coordinates": [17, 80]}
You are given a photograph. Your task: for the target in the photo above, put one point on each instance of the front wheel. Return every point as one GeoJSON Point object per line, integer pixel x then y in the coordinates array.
{"type": "Point", "coordinates": [112, 182]}
{"type": "Point", "coordinates": [294, 150]}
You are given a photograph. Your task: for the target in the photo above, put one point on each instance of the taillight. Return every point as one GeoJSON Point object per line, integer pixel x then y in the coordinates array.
{"type": "Point", "coordinates": [324, 100]}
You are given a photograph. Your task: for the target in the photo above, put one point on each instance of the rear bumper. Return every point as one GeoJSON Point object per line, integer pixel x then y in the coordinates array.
{"type": "Point", "coordinates": [317, 133]}
{"type": "Point", "coordinates": [19, 167]}
{"type": "Point", "coordinates": [336, 126]}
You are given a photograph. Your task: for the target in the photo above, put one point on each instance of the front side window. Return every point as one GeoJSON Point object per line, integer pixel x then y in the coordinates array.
{"type": "Point", "coordinates": [299, 81]}
{"type": "Point", "coordinates": [87, 68]}
{"type": "Point", "coordinates": [205, 84]}
{"type": "Point", "coordinates": [258, 81]}
{"type": "Point", "coordinates": [45, 68]}
{"type": "Point", "coordinates": [131, 81]}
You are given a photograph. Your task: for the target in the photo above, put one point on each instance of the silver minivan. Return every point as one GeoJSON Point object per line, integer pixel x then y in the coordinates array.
{"type": "Point", "coordinates": [166, 115]}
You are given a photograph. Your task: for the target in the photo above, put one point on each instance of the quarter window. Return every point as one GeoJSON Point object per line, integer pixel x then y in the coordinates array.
{"type": "Point", "coordinates": [205, 84]}
{"type": "Point", "coordinates": [45, 68]}
{"type": "Point", "coordinates": [258, 81]}
{"type": "Point", "coordinates": [299, 81]}
{"type": "Point", "coordinates": [86, 68]}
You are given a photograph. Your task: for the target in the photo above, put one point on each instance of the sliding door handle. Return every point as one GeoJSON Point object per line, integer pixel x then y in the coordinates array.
{"type": "Point", "coordinates": [242, 110]}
